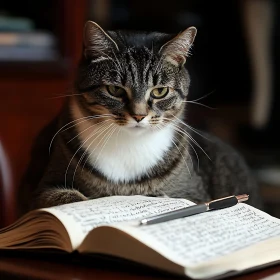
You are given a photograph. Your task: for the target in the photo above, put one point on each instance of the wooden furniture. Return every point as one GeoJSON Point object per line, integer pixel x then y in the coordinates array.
{"type": "Point", "coordinates": [7, 191]}
{"type": "Point", "coordinates": [29, 91]}
{"type": "Point", "coordinates": [37, 268]}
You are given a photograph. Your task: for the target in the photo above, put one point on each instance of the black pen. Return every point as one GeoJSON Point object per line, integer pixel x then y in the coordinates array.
{"type": "Point", "coordinates": [195, 209]}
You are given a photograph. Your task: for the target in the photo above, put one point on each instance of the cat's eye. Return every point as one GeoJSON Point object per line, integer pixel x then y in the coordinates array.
{"type": "Point", "coordinates": [115, 91]}
{"type": "Point", "coordinates": [159, 92]}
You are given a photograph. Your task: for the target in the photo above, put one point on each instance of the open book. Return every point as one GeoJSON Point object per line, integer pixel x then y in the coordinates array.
{"type": "Point", "coordinates": [211, 244]}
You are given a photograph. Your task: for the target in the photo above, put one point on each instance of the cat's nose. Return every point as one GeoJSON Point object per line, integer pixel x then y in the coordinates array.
{"type": "Point", "coordinates": [138, 118]}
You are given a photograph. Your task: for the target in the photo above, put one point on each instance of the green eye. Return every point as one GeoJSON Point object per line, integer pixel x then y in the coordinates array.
{"type": "Point", "coordinates": [159, 92]}
{"type": "Point", "coordinates": [115, 91]}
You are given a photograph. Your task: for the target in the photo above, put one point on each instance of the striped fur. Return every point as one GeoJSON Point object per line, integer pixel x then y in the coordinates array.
{"type": "Point", "coordinates": [102, 150]}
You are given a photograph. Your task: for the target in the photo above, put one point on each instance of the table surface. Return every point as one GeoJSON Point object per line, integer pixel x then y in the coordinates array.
{"type": "Point", "coordinates": [22, 267]}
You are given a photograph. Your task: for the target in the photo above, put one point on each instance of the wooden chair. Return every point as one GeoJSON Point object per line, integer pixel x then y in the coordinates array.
{"type": "Point", "coordinates": [7, 190]}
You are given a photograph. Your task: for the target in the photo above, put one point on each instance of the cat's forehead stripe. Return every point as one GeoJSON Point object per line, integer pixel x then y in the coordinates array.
{"type": "Point", "coordinates": [139, 73]}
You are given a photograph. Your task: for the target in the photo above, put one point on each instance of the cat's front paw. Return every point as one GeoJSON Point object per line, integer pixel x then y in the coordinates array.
{"type": "Point", "coordinates": [57, 196]}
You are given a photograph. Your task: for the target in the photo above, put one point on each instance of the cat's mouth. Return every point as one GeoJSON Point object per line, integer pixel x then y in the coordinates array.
{"type": "Point", "coordinates": [138, 127]}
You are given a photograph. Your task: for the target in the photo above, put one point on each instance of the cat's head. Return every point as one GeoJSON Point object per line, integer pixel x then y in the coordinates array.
{"type": "Point", "coordinates": [136, 79]}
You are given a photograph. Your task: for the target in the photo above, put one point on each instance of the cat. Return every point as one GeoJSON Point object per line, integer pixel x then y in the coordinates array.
{"type": "Point", "coordinates": [123, 131]}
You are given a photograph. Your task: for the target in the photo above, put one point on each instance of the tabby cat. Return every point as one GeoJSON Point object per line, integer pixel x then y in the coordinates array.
{"type": "Point", "coordinates": [123, 131]}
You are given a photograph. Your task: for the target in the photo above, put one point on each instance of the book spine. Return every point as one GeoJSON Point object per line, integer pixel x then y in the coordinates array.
{"type": "Point", "coordinates": [36, 39]}
{"type": "Point", "coordinates": [27, 54]}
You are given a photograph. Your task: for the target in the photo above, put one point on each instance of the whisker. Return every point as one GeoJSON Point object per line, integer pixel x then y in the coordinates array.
{"type": "Point", "coordinates": [191, 128]}
{"type": "Point", "coordinates": [195, 142]}
{"type": "Point", "coordinates": [194, 130]}
{"type": "Point", "coordinates": [83, 120]}
{"type": "Point", "coordinates": [196, 103]}
{"type": "Point", "coordinates": [104, 136]}
{"type": "Point", "coordinates": [189, 143]}
{"type": "Point", "coordinates": [67, 91]}
{"type": "Point", "coordinates": [75, 155]}
{"type": "Point", "coordinates": [106, 141]}
{"type": "Point", "coordinates": [66, 95]}
{"type": "Point", "coordinates": [101, 129]}
{"type": "Point", "coordinates": [197, 157]}
{"type": "Point", "coordinates": [86, 130]}
{"type": "Point", "coordinates": [106, 130]}
{"type": "Point", "coordinates": [180, 153]}
{"type": "Point", "coordinates": [117, 137]}
{"type": "Point", "coordinates": [65, 176]}
{"type": "Point", "coordinates": [190, 137]}
{"type": "Point", "coordinates": [182, 156]}
{"type": "Point", "coordinates": [204, 96]}
{"type": "Point", "coordinates": [186, 148]}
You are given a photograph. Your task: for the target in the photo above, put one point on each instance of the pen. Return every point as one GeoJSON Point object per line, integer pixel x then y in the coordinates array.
{"type": "Point", "coordinates": [196, 209]}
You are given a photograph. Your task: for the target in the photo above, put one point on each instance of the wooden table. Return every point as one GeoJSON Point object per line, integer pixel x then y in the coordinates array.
{"type": "Point", "coordinates": [52, 268]}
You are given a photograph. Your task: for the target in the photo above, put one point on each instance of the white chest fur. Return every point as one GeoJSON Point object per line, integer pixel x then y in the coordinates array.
{"type": "Point", "coordinates": [125, 156]}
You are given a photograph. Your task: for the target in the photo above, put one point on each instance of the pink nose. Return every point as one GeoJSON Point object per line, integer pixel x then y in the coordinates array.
{"type": "Point", "coordinates": [138, 118]}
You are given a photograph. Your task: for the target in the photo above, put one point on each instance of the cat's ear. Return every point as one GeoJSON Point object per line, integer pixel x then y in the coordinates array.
{"type": "Point", "coordinates": [177, 50]}
{"type": "Point", "coordinates": [97, 43]}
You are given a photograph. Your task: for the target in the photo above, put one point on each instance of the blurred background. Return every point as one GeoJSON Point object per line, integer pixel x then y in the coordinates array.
{"type": "Point", "coordinates": [234, 68]}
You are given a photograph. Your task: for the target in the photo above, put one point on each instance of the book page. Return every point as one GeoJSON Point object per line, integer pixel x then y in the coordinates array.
{"type": "Point", "coordinates": [81, 217]}
{"type": "Point", "coordinates": [199, 238]}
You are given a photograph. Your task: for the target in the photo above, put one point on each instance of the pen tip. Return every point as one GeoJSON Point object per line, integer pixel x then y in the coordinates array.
{"type": "Point", "coordinates": [143, 222]}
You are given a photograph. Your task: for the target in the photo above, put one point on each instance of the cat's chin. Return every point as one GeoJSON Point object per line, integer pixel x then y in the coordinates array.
{"type": "Point", "coordinates": [136, 130]}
